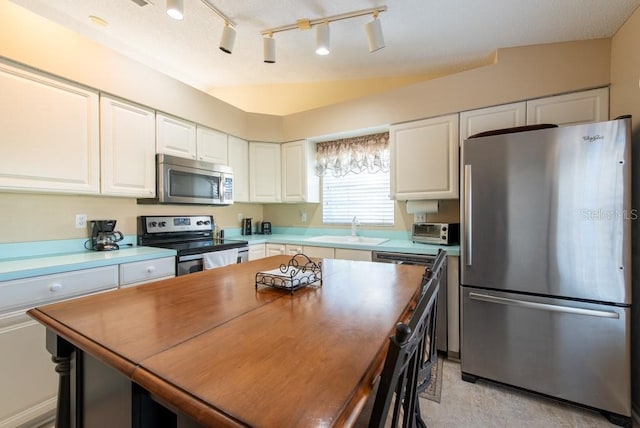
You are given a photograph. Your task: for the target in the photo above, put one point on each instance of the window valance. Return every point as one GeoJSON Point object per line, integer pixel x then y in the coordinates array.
{"type": "Point", "coordinates": [367, 153]}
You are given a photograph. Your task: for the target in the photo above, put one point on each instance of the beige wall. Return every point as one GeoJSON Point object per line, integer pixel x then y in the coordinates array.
{"type": "Point", "coordinates": [521, 73]}
{"type": "Point", "coordinates": [625, 99]}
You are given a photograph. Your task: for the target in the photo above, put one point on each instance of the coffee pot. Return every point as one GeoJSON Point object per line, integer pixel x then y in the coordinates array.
{"type": "Point", "coordinates": [103, 235]}
{"type": "Point", "coordinates": [246, 226]}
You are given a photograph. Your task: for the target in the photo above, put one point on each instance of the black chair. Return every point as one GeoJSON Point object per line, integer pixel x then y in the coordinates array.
{"type": "Point", "coordinates": [398, 385]}
{"type": "Point", "coordinates": [438, 271]}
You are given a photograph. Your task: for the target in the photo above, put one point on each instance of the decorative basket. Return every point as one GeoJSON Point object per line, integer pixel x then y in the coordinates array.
{"type": "Point", "coordinates": [299, 272]}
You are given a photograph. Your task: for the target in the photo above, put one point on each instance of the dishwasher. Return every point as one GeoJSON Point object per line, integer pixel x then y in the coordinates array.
{"type": "Point", "coordinates": [427, 261]}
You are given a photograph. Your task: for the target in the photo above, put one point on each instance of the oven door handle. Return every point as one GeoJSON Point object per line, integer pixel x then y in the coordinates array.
{"type": "Point", "coordinates": [189, 258]}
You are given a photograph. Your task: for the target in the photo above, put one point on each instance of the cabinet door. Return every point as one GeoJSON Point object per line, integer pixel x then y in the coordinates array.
{"type": "Point", "coordinates": [211, 145]}
{"type": "Point", "coordinates": [275, 249]}
{"type": "Point", "coordinates": [320, 252]}
{"type": "Point", "coordinates": [349, 254]}
{"type": "Point", "coordinates": [490, 118]}
{"type": "Point", "coordinates": [424, 159]}
{"type": "Point", "coordinates": [292, 250]}
{"type": "Point", "coordinates": [238, 152]}
{"type": "Point", "coordinates": [570, 109]}
{"type": "Point", "coordinates": [175, 136]}
{"type": "Point", "coordinates": [256, 251]}
{"type": "Point", "coordinates": [299, 181]}
{"type": "Point", "coordinates": [50, 134]}
{"type": "Point", "coordinates": [264, 172]}
{"type": "Point", "coordinates": [128, 146]}
{"type": "Point", "coordinates": [29, 380]}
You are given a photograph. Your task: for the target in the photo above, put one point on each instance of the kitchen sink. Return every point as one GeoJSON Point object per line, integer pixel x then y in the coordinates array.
{"type": "Point", "coordinates": [342, 239]}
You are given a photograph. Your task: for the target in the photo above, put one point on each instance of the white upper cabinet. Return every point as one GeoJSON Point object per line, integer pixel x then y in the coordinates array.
{"type": "Point", "coordinates": [211, 145]}
{"type": "Point", "coordinates": [299, 181]}
{"type": "Point", "coordinates": [50, 134]}
{"type": "Point", "coordinates": [238, 153]}
{"type": "Point", "coordinates": [264, 172]}
{"type": "Point", "coordinates": [424, 159]}
{"type": "Point", "coordinates": [570, 109]}
{"type": "Point", "coordinates": [486, 119]}
{"type": "Point", "coordinates": [128, 146]}
{"type": "Point", "coordinates": [175, 136]}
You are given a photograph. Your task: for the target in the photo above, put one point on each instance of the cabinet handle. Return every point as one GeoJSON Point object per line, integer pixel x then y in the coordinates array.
{"type": "Point", "coordinates": [55, 287]}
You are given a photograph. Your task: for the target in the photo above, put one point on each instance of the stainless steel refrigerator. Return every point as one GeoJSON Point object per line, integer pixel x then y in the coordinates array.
{"type": "Point", "coordinates": [546, 262]}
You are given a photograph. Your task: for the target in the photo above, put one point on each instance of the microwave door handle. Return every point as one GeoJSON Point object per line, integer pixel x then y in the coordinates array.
{"type": "Point", "coordinates": [467, 241]}
{"type": "Point", "coordinates": [221, 187]}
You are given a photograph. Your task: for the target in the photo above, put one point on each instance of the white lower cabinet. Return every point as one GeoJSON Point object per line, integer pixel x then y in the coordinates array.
{"type": "Point", "coordinates": [348, 254]}
{"type": "Point", "coordinates": [137, 273]}
{"type": "Point", "coordinates": [320, 252]}
{"type": "Point", "coordinates": [29, 381]}
{"type": "Point", "coordinates": [275, 249]}
{"type": "Point", "coordinates": [292, 250]}
{"type": "Point", "coordinates": [256, 251]}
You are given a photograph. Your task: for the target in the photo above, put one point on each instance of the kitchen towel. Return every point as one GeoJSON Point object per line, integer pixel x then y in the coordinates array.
{"type": "Point", "coordinates": [422, 207]}
{"type": "Point", "coordinates": [220, 258]}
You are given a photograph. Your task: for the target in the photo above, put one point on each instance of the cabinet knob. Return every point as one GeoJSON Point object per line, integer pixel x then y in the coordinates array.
{"type": "Point", "coordinates": [55, 287]}
{"type": "Point", "coordinates": [150, 269]}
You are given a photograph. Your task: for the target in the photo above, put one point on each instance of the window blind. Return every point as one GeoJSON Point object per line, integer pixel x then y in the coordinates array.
{"type": "Point", "coordinates": [365, 196]}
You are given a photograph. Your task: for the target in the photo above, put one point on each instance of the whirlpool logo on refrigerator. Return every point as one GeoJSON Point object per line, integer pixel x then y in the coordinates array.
{"type": "Point", "coordinates": [592, 138]}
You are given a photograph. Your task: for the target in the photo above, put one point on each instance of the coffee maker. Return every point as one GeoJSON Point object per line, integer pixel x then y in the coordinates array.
{"type": "Point", "coordinates": [103, 235]}
{"type": "Point", "coordinates": [246, 226]}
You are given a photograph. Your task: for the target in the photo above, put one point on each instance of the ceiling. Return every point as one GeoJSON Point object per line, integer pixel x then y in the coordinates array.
{"type": "Point", "coordinates": [423, 37]}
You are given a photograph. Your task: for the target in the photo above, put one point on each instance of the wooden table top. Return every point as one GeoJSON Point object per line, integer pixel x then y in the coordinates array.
{"type": "Point", "coordinates": [224, 353]}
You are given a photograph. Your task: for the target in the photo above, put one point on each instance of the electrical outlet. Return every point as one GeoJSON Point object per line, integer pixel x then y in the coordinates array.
{"type": "Point", "coordinates": [303, 216]}
{"type": "Point", "coordinates": [81, 221]}
{"type": "Point", "coordinates": [239, 217]}
{"type": "Point", "coordinates": [420, 218]}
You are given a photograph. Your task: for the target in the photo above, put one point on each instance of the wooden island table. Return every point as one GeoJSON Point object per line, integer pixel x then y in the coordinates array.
{"type": "Point", "coordinates": [211, 349]}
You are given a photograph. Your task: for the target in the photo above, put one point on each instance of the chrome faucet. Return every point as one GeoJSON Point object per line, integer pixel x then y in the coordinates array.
{"type": "Point", "coordinates": [354, 224]}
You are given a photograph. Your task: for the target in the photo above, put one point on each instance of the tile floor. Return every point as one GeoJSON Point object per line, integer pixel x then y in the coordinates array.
{"type": "Point", "coordinates": [485, 404]}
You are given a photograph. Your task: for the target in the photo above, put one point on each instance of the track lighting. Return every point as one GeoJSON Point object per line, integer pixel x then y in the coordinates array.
{"type": "Point", "coordinates": [228, 38]}
{"type": "Point", "coordinates": [175, 9]}
{"type": "Point", "coordinates": [374, 33]}
{"type": "Point", "coordinates": [269, 49]}
{"type": "Point", "coordinates": [323, 38]}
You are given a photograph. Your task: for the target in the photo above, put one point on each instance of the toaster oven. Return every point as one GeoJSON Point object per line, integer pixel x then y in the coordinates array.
{"type": "Point", "coordinates": [436, 233]}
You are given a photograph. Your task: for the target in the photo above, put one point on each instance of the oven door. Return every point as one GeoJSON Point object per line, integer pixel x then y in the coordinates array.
{"type": "Point", "coordinates": [189, 264]}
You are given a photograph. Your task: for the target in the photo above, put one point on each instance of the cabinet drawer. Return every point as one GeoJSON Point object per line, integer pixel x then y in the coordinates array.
{"type": "Point", "coordinates": [29, 292]}
{"type": "Point", "coordinates": [147, 270]}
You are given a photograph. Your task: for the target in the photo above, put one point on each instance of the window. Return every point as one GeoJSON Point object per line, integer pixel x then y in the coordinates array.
{"type": "Point", "coordinates": [364, 195]}
{"type": "Point", "coordinates": [355, 180]}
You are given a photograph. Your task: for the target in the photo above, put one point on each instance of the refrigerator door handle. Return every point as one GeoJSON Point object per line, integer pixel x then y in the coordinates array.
{"type": "Point", "coordinates": [467, 239]}
{"type": "Point", "coordinates": [542, 306]}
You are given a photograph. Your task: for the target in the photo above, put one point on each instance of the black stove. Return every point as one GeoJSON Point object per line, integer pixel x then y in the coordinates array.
{"type": "Point", "coordinates": [191, 236]}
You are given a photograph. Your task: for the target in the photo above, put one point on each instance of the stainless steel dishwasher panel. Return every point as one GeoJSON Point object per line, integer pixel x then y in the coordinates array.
{"type": "Point", "coordinates": [567, 349]}
{"type": "Point", "coordinates": [423, 260]}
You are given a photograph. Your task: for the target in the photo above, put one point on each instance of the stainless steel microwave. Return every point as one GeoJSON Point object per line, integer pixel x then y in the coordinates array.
{"type": "Point", "coordinates": [188, 181]}
{"type": "Point", "coordinates": [436, 233]}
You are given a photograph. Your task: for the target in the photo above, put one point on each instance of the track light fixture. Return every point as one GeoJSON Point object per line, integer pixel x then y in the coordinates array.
{"type": "Point", "coordinates": [374, 33]}
{"type": "Point", "coordinates": [323, 39]}
{"type": "Point", "coordinates": [269, 49]}
{"type": "Point", "coordinates": [228, 38]}
{"type": "Point", "coordinates": [373, 30]}
{"type": "Point", "coordinates": [175, 9]}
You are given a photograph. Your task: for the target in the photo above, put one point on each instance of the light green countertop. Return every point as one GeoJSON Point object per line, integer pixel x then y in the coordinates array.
{"type": "Point", "coordinates": [392, 245]}
{"type": "Point", "coordinates": [45, 264]}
